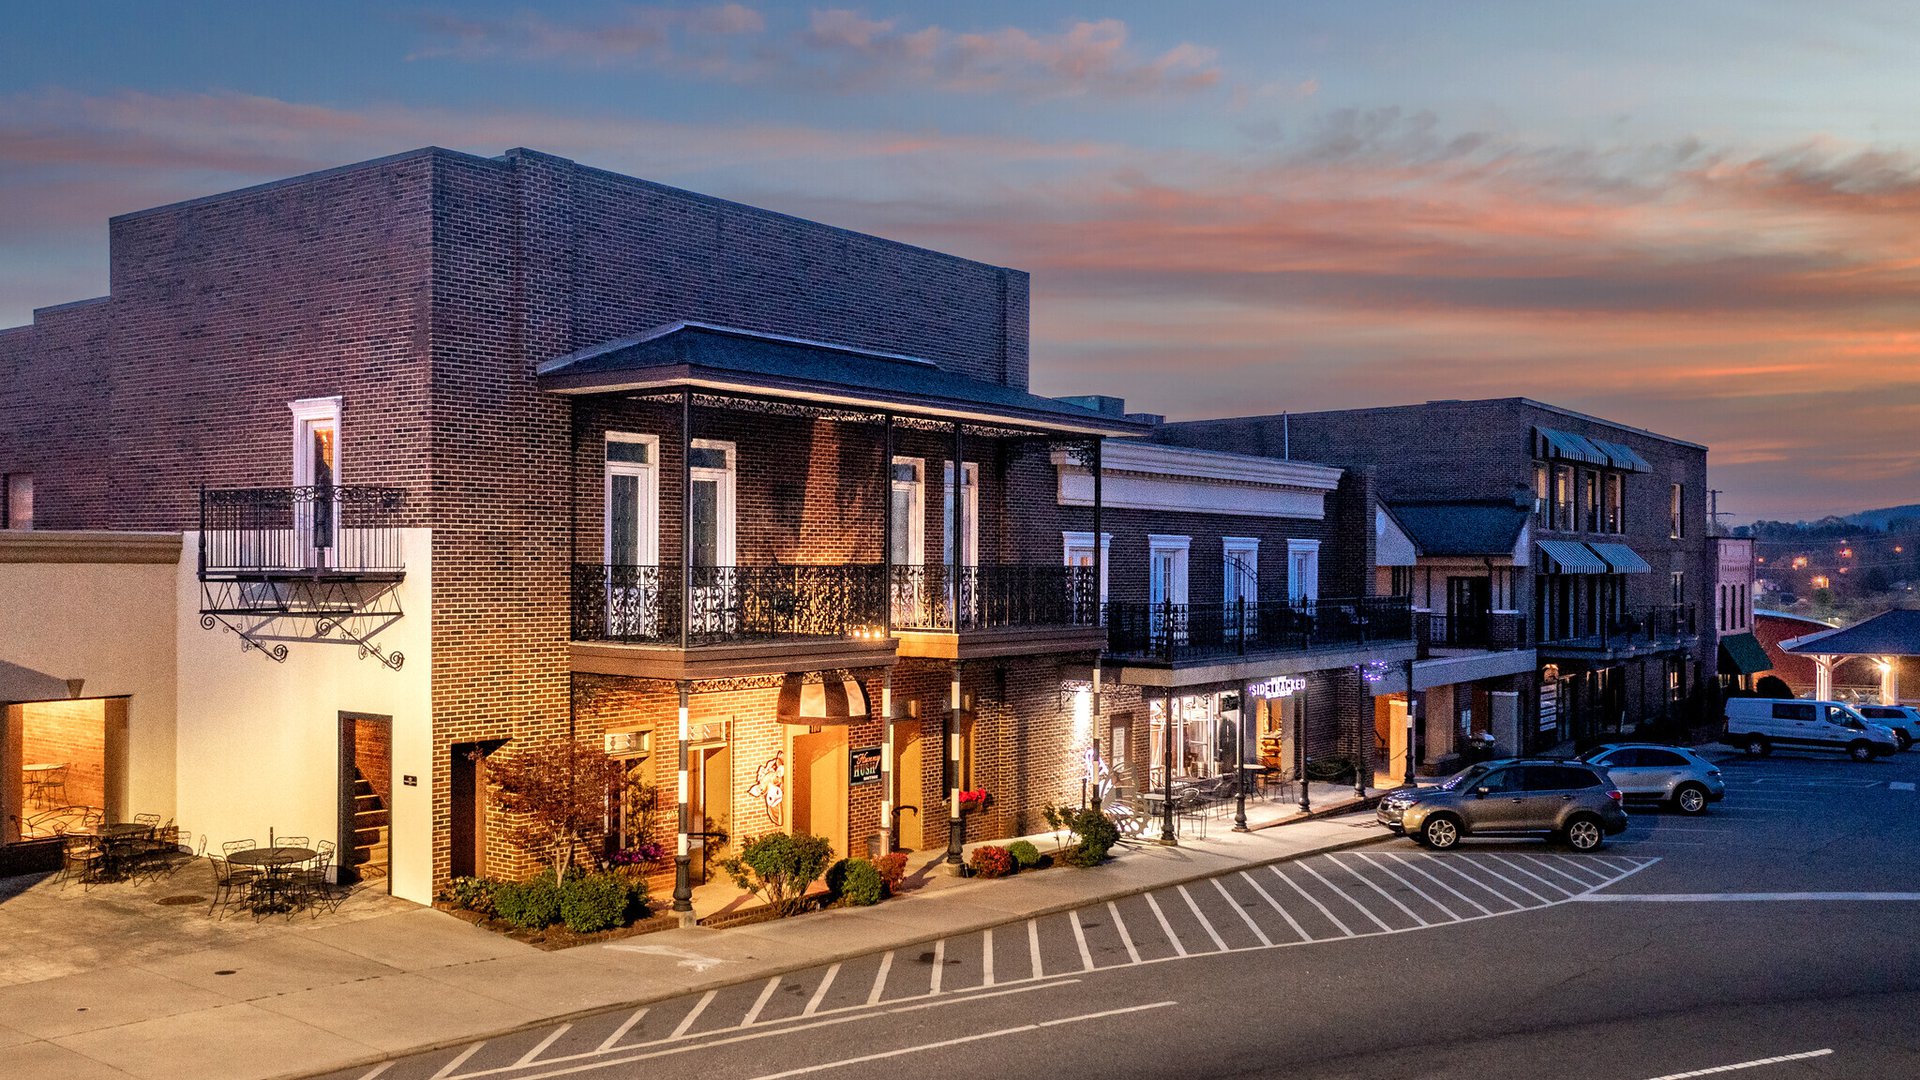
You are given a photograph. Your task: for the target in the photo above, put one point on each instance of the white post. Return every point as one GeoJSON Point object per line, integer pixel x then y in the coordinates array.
{"type": "Point", "coordinates": [1823, 678]}
{"type": "Point", "coordinates": [682, 851]}
{"type": "Point", "coordinates": [886, 764]}
{"type": "Point", "coordinates": [1889, 680]}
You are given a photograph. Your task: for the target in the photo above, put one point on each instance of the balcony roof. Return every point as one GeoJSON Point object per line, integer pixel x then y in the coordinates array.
{"type": "Point", "coordinates": [1890, 633]}
{"type": "Point", "coordinates": [1464, 529]}
{"type": "Point", "coordinates": [723, 360]}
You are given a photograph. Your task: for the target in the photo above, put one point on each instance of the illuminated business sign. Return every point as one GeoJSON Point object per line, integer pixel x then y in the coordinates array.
{"type": "Point", "coordinates": [1277, 687]}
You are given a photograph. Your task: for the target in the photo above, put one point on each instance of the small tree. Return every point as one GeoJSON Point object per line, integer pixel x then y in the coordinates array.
{"type": "Point", "coordinates": [779, 867]}
{"type": "Point", "coordinates": [557, 790]}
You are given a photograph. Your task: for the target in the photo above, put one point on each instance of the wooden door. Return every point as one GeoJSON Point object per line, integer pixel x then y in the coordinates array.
{"type": "Point", "coordinates": [910, 786]}
{"type": "Point", "coordinates": [818, 774]}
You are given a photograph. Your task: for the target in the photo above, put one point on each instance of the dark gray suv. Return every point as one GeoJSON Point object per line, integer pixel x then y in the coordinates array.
{"type": "Point", "coordinates": [1570, 800]}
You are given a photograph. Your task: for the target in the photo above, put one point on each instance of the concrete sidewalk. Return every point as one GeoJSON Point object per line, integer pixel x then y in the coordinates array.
{"type": "Point", "coordinates": [330, 996]}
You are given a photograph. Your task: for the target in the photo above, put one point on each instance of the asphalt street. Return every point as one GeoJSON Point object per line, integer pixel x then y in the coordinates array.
{"type": "Point", "coordinates": [1770, 938]}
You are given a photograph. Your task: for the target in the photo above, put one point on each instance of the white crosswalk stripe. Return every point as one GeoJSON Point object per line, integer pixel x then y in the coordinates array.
{"type": "Point", "coordinates": [1329, 897]}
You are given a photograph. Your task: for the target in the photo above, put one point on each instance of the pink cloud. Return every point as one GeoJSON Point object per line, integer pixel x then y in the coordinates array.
{"type": "Point", "coordinates": [694, 35]}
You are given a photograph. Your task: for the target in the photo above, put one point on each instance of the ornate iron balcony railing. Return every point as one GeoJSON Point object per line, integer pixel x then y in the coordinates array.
{"type": "Point", "coordinates": [1172, 632]}
{"type": "Point", "coordinates": [953, 598]}
{"type": "Point", "coordinates": [329, 530]}
{"type": "Point", "coordinates": [1654, 627]}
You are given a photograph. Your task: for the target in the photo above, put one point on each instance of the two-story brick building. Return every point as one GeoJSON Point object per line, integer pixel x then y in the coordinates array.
{"type": "Point", "coordinates": [1617, 582]}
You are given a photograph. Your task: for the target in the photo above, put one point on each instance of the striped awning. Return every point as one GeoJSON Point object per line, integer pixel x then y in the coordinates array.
{"type": "Point", "coordinates": [1623, 559]}
{"type": "Point", "coordinates": [1571, 557]}
{"type": "Point", "coordinates": [1571, 447]}
{"type": "Point", "coordinates": [837, 699]}
{"type": "Point", "coordinates": [1622, 456]}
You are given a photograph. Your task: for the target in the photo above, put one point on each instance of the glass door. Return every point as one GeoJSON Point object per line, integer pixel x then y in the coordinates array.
{"type": "Point", "coordinates": [633, 586]}
{"type": "Point", "coordinates": [713, 578]}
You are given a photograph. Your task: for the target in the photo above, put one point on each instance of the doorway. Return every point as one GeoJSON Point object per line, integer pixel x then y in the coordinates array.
{"type": "Point", "coordinates": [366, 798]}
{"type": "Point", "coordinates": [65, 763]}
{"type": "Point", "coordinates": [467, 790]}
{"type": "Point", "coordinates": [910, 786]}
{"type": "Point", "coordinates": [818, 774]}
{"type": "Point", "coordinates": [709, 805]}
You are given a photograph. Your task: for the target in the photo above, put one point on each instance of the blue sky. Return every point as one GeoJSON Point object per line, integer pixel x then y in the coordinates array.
{"type": "Point", "coordinates": [1695, 217]}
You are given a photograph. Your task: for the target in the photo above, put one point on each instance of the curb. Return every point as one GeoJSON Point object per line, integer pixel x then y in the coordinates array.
{"type": "Point", "coordinates": [840, 957]}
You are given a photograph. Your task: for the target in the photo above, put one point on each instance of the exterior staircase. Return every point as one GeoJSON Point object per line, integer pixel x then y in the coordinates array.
{"type": "Point", "coordinates": [371, 830]}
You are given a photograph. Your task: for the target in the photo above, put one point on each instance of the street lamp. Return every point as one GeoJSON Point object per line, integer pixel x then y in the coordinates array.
{"type": "Point", "coordinates": [1240, 761]}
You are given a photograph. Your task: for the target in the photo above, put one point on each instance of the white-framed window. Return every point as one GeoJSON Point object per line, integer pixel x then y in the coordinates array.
{"type": "Point", "coordinates": [316, 465]}
{"type": "Point", "coordinates": [1079, 552]}
{"type": "Point", "coordinates": [710, 466]}
{"type": "Point", "coordinates": [1240, 556]}
{"type": "Point", "coordinates": [969, 515]}
{"type": "Point", "coordinates": [1167, 568]}
{"type": "Point", "coordinates": [909, 513]}
{"type": "Point", "coordinates": [632, 499]}
{"type": "Point", "coordinates": [1303, 570]}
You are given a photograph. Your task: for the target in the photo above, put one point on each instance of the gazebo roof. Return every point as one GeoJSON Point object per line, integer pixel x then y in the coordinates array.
{"type": "Point", "coordinates": [1890, 633]}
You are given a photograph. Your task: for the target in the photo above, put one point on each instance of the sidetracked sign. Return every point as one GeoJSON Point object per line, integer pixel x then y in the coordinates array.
{"type": "Point", "coordinates": [863, 765]}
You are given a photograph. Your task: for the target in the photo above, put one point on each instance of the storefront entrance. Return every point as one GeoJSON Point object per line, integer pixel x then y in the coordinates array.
{"type": "Point", "coordinates": [909, 781]}
{"type": "Point", "coordinates": [818, 774]}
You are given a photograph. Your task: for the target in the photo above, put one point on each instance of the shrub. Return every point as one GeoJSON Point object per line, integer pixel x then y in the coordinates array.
{"type": "Point", "coordinates": [778, 868]}
{"type": "Point", "coordinates": [1092, 834]}
{"type": "Point", "coordinates": [1024, 853]}
{"type": "Point", "coordinates": [1334, 769]}
{"type": "Point", "coordinates": [471, 894]}
{"type": "Point", "coordinates": [856, 883]}
{"type": "Point", "coordinates": [590, 902]}
{"type": "Point", "coordinates": [892, 868]}
{"type": "Point", "coordinates": [991, 861]}
{"type": "Point", "coordinates": [530, 905]}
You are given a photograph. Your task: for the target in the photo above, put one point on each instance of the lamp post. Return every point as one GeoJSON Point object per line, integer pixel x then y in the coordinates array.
{"type": "Point", "coordinates": [1413, 752]}
{"type": "Point", "coordinates": [1166, 772]}
{"type": "Point", "coordinates": [1300, 751]}
{"type": "Point", "coordinates": [1240, 761]}
{"type": "Point", "coordinates": [682, 853]}
{"type": "Point", "coordinates": [956, 826]}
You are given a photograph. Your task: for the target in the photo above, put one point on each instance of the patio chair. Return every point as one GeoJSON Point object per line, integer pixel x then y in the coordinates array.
{"type": "Point", "coordinates": [229, 881]}
{"type": "Point", "coordinates": [82, 859]}
{"type": "Point", "coordinates": [151, 821]}
{"type": "Point", "coordinates": [232, 846]}
{"type": "Point", "coordinates": [309, 880]}
{"type": "Point", "coordinates": [293, 841]}
{"type": "Point", "coordinates": [1193, 808]}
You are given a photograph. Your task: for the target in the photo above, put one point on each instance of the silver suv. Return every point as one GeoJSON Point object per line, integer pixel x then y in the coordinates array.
{"type": "Point", "coordinates": [1570, 800]}
{"type": "Point", "coordinates": [1673, 775]}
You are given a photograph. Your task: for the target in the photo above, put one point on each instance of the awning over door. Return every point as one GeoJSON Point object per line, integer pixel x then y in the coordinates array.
{"type": "Point", "coordinates": [1744, 653]}
{"type": "Point", "coordinates": [1572, 557]}
{"type": "Point", "coordinates": [1623, 559]}
{"type": "Point", "coordinates": [836, 699]}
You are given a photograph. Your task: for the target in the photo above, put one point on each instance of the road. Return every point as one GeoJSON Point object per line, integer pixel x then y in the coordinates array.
{"type": "Point", "coordinates": [1771, 938]}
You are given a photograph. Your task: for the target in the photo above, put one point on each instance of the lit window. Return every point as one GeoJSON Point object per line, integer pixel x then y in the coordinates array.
{"type": "Point", "coordinates": [1675, 502]}
{"type": "Point", "coordinates": [16, 509]}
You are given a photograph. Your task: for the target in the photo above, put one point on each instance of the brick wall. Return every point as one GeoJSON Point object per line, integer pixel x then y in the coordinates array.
{"type": "Point", "coordinates": [73, 733]}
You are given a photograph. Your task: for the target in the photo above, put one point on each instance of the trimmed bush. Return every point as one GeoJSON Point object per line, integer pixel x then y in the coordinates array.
{"type": "Point", "coordinates": [856, 883]}
{"type": "Point", "coordinates": [1025, 854]}
{"type": "Point", "coordinates": [530, 905]}
{"type": "Point", "coordinates": [591, 902]}
{"type": "Point", "coordinates": [991, 861]}
{"type": "Point", "coordinates": [778, 868]}
{"type": "Point", "coordinates": [471, 894]}
{"type": "Point", "coordinates": [892, 868]}
{"type": "Point", "coordinates": [1092, 832]}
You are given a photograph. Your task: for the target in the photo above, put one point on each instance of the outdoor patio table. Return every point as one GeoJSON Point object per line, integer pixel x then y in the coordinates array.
{"type": "Point", "coordinates": [116, 843]}
{"type": "Point", "coordinates": [274, 861]}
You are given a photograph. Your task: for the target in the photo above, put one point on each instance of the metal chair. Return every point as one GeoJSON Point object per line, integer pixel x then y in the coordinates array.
{"type": "Point", "coordinates": [292, 841]}
{"type": "Point", "coordinates": [1193, 808]}
{"type": "Point", "coordinates": [229, 881]}
{"type": "Point", "coordinates": [309, 880]}
{"type": "Point", "coordinates": [81, 857]}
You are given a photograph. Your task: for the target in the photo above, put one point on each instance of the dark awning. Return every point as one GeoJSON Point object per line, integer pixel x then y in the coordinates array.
{"type": "Point", "coordinates": [722, 360]}
{"type": "Point", "coordinates": [1890, 633]}
{"type": "Point", "coordinates": [1622, 456]}
{"type": "Point", "coordinates": [1454, 529]}
{"type": "Point", "coordinates": [1743, 653]}
{"type": "Point", "coordinates": [1622, 559]}
{"type": "Point", "coordinates": [1571, 557]}
{"type": "Point", "coordinates": [1571, 447]}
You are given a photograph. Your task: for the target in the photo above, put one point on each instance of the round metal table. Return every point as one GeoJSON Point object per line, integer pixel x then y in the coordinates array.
{"type": "Point", "coordinates": [270, 893]}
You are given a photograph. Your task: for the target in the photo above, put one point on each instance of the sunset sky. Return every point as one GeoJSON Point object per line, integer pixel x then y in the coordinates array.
{"type": "Point", "coordinates": [1702, 218]}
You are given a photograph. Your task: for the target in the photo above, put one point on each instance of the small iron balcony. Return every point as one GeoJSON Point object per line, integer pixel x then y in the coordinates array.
{"type": "Point", "coordinates": [1173, 632]}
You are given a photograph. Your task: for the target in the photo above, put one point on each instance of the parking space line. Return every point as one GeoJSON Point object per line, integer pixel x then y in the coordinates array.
{"type": "Point", "coordinates": [1218, 944]}
{"type": "Point", "coordinates": [1310, 898]}
{"type": "Point", "coordinates": [1389, 871]}
{"type": "Point", "coordinates": [1165, 926]}
{"type": "Point", "coordinates": [376, 1070]}
{"type": "Point", "coordinates": [447, 1069]}
{"type": "Point", "coordinates": [1447, 865]}
{"type": "Point", "coordinates": [1551, 868]}
{"type": "Point", "coordinates": [694, 1014]}
{"type": "Point", "coordinates": [1757, 1062]}
{"type": "Point", "coordinates": [1510, 864]}
{"type": "Point", "coordinates": [540, 1047]}
{"type": "Point", "coordinates": [986, 957]}
{"type": "Point", "coordinates": [880, 979]}
{"type": "Point", "coordinates": [1480, 866]}
{"type": "Point", "coordinates": [1242, 912]}
{"type": "Point", "coordinates": [1275, 905]}
{"type": "Point", "coordinates": [1133, 954]}
{"type": "Point", "coordinates": [1344, 895]}
{"type": "Point", "coordinates": [1033, 946]}
{"type": "Point", "coordinates": [1080, 939]}
{"type": "Point", "coordinates": [939, 965]}
{"type": "Point", "coordinates": [1389, 897]}
{"type": "Point", "coordinates": [1418, 868]}
{"type": "Point", "coordinates": [820, 994]}
{"type": "Point", "coordinates": [621, 1031]}
{"type": "Point", "coordinates": [759, 1003]}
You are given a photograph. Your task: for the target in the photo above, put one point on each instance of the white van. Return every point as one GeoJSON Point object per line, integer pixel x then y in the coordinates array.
{"type": "Point", "coordinates": [1902, 720]}
{"type": "Point", "coordinates": [1757, 725]}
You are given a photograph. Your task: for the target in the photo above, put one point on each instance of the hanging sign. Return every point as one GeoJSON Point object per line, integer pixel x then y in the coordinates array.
{"type": "Point", "coordinates": [1277, 687]}
{"type": "Point", "coordinates": [1549, 706]}
{"type": "Point", "coordinates": [863, 765]}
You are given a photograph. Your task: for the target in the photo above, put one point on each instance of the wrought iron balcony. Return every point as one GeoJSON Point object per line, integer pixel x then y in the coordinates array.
{"type": "Point", "coordinates": [1474, 630]}
{"type": "Point", "coordinates": [949, 598]}
{"type": "Point", "coordinates": [330, 530]}
{"type": "Point", "coordinates": [1655, 628]}
{"type": "Point", "coordinates": [643, 604]}
{"type": "Point", "coordinates": [1171, 632]}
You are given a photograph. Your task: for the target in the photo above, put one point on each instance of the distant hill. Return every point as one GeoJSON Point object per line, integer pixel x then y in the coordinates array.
{"type": "Point", "coordinates": [1878, 519]}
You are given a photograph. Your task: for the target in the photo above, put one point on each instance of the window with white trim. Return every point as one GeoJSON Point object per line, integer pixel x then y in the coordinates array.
{"type": "Point", "coordinates": [710, 503]}
{"type": "Point", "coordinates": [909, 512]}
{"type": "Point", "coordinates": [1167, 569]}
{"type": "Point", "coordinates": [1303, 570]}
{"type": "Point", "coordinates": [632, 499]}
{"type": "Point", "coordinates": [1079, 552]}
{"type": "Point", "coordinates": [969, 514]}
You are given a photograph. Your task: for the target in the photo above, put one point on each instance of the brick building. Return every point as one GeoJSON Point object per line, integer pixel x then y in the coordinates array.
{"type": "Point", "coordinates": [1617, 584]}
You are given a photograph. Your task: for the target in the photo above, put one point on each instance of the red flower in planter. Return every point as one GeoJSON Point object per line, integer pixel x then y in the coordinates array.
{"type": "Point", "coordinates": [990, 861]}
{"type": "Point", "coordinates": [973, 800]}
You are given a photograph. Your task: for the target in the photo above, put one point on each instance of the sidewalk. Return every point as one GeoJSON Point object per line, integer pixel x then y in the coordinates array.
{"type": "Point", "coordinates": [327, 995]}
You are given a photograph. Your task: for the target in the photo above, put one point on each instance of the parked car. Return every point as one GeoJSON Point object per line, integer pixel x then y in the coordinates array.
{"type": "Point", "coordinates": [1571, 800]}
{"type": "Point", "coordinates": [1902, 720]}
{"type": "Point", "coordinates": [1673, 775]}
{"type": "Point", "coordinates": [1757, 725]}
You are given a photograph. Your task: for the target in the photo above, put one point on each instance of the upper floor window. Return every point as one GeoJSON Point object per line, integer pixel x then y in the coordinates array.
{"type": "Point", "coordinates": [969, 515]}
{"type": "Point", "coordinates": [1167, 569]}
{"type": "Point", "coordinates": [16, 505]}
{"type": "Point", "coordinates": [1542, 492]}
{"type": "Point", "coordinates": [632, 535]}
{"type": "Point", "coordinates": [1562, 497]}
{"type": "Point", "coordinates": [316, 442]}
{"type": "Point", "coordinates": [1079, 551]}
{"type": "Point", "coordinates": [1400, 581]}
{"type": "Point", "coordinates": [1676, 501]}
{"type": "Point", "coordinates": [710, 504]}
{"type": "Point", "coordinates": [1240, 563]}
{"type": "Point", "coordinates": [1303, 570]}
{"type": "Point", "coordinates": [909, 512]}
{"type": "Point", "coordinates": [1679, 587]}
{"type": "Point", "coordinates": [1614, 504]}
{"type": "Point", "coordinates": [1590, 500]}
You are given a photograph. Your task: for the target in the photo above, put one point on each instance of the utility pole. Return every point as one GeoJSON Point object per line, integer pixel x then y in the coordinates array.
{"type": "Point", "coordinates": [1714, 513]}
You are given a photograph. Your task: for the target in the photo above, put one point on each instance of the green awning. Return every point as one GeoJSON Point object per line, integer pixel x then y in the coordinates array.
{"type": "Point", "coordinates": [1623, 559]}
{"type": "Point", "coordinates": [1743, 653]}
{"type": "Point", "coordinates": [1568, 446]}
{"type": "Point", "coordinates": [1571, 557]}
{"type": "Point", "coordinates": [1622, 456]}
